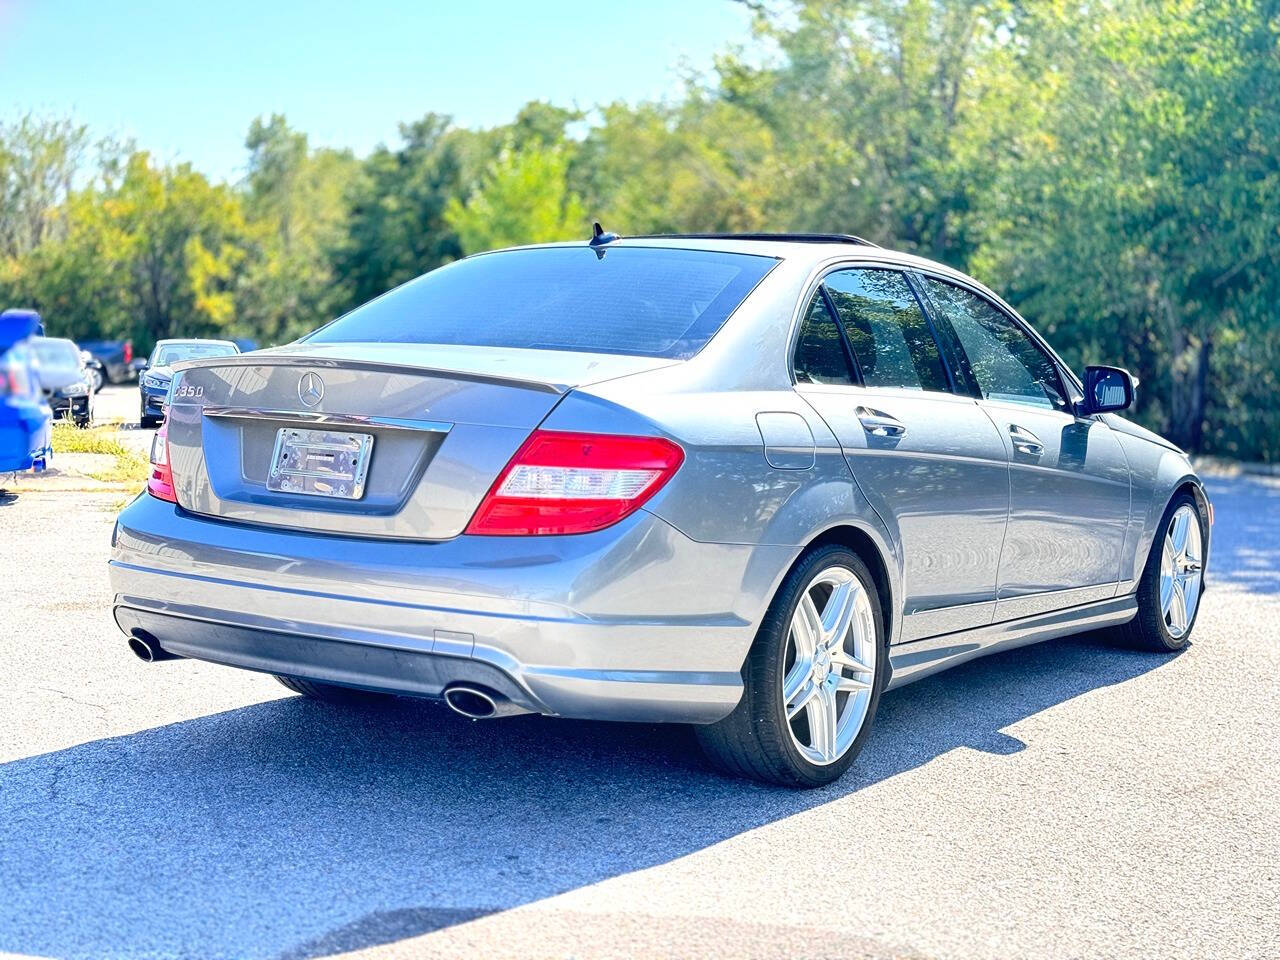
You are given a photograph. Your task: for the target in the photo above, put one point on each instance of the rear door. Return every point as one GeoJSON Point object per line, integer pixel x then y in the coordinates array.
{"type": "Point", "coordinates": [1069, 480]}
{"type": "Point", "coordinates": [930, 462]}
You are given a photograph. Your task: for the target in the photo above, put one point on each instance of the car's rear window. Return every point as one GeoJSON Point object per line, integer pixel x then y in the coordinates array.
{"type": "Point", "coordinates": [171, 353]}
{"type": "Point", "coordinates": [56, 352]}
{"type": "Point", "coordinates": [645, 301]}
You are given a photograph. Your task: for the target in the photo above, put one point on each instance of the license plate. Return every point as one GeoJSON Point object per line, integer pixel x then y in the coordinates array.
{"type": "Point", "coordinates": [320, 463]}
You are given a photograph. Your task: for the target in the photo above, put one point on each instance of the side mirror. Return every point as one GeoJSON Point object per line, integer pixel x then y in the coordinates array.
{"type": "Point", "coordinates": [140, 365]}
{"type": "Point", "coordinates": [1106, 389]}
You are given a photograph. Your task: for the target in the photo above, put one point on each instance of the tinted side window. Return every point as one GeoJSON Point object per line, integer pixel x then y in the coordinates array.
{"type": "Point", "coordinates": [887, 330]}
{"type": "Point", "coordinates": [820, 356]}
{"type": "Point", "coordinates": [1007, 364]}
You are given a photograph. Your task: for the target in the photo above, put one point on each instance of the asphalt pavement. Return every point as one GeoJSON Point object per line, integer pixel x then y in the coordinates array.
{"type": "Point", "coordinates": [1071, 799]}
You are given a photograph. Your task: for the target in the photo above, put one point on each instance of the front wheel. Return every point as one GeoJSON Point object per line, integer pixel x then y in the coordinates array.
{"type": "Point", "coordinates": [812, 680]}
{"type": "Point", "coordinates": [1172, 581]}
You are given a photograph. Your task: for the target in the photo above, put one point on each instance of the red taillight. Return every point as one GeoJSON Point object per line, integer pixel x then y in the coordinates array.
{"type": "Point", "coordinates": [574, 483]}
{"type": "Point", "coordinates": [128, 352]}
{"type": "Point", "coordinates": [160, 483]}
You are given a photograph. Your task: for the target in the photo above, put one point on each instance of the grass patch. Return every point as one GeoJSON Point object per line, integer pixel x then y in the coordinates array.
{"type": "Point", "coordinates": [68, 438]}
{"type": "Point", "coordinates": [131, 468]}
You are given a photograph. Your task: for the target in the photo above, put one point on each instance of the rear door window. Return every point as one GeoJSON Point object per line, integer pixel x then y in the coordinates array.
{"type": "Point", "coordinates": [820, 353]}
{"type": "Point", "coordinates": [1005, 362]}
{"type": "Point", "coordinates": [890, 336]}
{"type": "Point", "coordinates": [645, 301]}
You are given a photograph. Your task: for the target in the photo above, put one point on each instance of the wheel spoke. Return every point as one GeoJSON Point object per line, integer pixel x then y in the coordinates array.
{"type": "Point", "coordinates": [838, 613]}
{"type": "Point", "coordinates": [1191, 595]}
{"type": "Point", "coordinates": [795, 682]}
{"type": "Point", "coordinates": [806, 628]}
{"type": "Point", "coordinates": [803, 697]}
{"type": "Point", "coordinates": [852, 685]}
{"type": "Point", "coordinates": [1167, 573]}
{"type": "Point", "coordinates": [843, 658]}
{"type": "Point", "coordinates": [822, 722]}
{"type": "Point", "coordinates": [1178, 609]}
{"type": "Point", "coordinates": [1178, 532]}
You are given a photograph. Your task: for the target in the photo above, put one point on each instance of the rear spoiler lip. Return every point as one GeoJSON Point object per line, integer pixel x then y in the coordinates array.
{"type": "Point", "coordinates": [293, 360]}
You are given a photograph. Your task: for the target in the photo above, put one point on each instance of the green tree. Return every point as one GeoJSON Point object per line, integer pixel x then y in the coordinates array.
{"type": "Point", "coordinates": [524, 198]}
{"type": "Point", "coordinates": [154, 255]}
{"type": "Point", "coordinates": [39, 160]}
{"type": "Point", "coordinates": [1138, 220]}
{"type": "Point", "coordinates": [296, 202]}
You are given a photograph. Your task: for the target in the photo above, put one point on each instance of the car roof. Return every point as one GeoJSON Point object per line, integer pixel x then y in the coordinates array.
{"type": "Point", "coordinates": [815, 248]}
{"type": "Point", "coordinates": [60, 341]}
{"type": "Point", "coordinates": [185, 340]}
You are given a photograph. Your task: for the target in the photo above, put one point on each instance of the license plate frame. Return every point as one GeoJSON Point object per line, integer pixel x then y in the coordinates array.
{"type": "Point", "coordinates": [311, 462]}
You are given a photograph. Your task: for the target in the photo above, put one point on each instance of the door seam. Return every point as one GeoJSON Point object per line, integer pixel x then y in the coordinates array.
{"type": "Point", "coordinates": [1008, 510]}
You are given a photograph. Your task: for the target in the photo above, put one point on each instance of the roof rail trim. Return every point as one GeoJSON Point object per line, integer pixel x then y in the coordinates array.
{"type": "Point", "coordinates": [780, 237]}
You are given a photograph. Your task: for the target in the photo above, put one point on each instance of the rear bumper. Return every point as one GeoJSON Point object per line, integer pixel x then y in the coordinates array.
{"type": "Point", "coordinates": [636, 622]}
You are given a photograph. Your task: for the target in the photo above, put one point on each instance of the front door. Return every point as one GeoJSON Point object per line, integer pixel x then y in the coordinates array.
{"type": "Point", "coordinates": [1068, 477]}
{"type": "Point", "coordinates": [930, 463]}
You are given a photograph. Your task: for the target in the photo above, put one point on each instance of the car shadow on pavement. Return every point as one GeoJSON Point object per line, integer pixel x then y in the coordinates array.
{"type": "Point", "coordinates": [294, 829]}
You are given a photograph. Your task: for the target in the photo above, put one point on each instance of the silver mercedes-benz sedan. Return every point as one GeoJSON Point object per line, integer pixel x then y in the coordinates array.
{"type": "Point", "coordinates": [747, 483]}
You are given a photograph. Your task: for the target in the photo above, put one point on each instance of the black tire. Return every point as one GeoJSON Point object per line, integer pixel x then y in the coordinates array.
{"type": "Point", "coordinates": [754, 740]}
{"type": "Point", "coordinates": [1148, 630]}
{"type": "Point", "coordinates": [330, 692]}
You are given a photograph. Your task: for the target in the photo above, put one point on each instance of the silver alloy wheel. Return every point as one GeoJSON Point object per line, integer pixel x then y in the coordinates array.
{"type": "Point", "coordinates": [1181, 567]}
{"type": "Point", "coordinates": [829, 665]}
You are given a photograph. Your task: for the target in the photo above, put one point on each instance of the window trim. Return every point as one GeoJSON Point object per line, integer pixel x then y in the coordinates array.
{"type": "Point", "coordinates": [850, 361]}
{"type": "Point", "coordinates": [851, 358]}
{"type": "Point", "coordinates": [818, 285]}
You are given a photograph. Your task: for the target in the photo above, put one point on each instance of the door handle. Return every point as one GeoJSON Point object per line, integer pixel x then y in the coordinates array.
{"type": "Point", "coordinates": [880, 424]}
{"type": "Point", "coordinates": [1024, 441]}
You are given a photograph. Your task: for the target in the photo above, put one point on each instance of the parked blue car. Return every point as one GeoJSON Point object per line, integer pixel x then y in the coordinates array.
{"type": "Point", "coordinates": [24, 416]}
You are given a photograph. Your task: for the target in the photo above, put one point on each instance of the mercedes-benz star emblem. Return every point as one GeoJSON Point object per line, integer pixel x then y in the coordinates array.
{"type": "Point", "coordinates": [310, 389]}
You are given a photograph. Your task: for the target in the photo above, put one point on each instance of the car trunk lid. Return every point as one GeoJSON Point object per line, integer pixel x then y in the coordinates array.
{"type": "Point", "coordinates": [443, 422]}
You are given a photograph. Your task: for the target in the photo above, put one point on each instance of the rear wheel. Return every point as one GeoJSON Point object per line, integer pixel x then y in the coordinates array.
{"type": "Point", "coordinates": [1172, 582]}
{"type": "Point", "coordinates": [330, 692]}
{"type": "Point", "coordinates": [812, 680]}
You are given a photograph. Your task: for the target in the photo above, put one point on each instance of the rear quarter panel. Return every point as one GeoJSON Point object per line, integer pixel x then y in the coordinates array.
{"type": "Point", "coordinates": [727, 491]}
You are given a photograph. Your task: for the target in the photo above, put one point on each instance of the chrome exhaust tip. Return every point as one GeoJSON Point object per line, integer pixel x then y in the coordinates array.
{"type": "Point", "coordinates": [147, 648]}
{"type": "Point", "coordinates": [477, 703]}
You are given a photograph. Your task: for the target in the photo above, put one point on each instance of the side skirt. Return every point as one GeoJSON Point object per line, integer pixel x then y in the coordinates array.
{"type": "Point", "coordinates": [920, 658]}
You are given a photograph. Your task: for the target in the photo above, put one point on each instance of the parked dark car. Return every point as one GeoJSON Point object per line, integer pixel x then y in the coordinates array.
{"type": "Point", "coordinates": [157, 372]}
{"type": "Point", "coordinates": [116, 357]}
{"type": "Point", "coordinates": [64, 379]}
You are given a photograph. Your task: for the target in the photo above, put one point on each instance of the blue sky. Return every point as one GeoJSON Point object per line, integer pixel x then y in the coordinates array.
{"type": "Point", "coordinates": [185, 77]}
